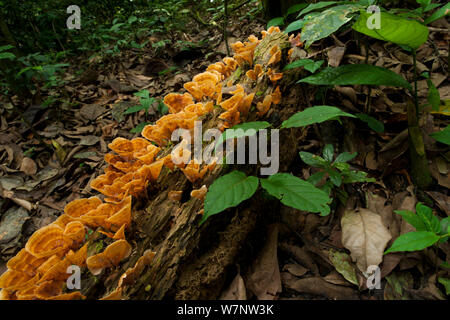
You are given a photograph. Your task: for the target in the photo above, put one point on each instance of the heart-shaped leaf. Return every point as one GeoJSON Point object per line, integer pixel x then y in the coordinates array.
{"type": "Point", "coordinates": [228, 191]}
{"type": "Point", "coordinates": [297, 193]}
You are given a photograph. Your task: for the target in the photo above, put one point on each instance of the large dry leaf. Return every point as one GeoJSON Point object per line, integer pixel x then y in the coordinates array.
{"type": "Point", "coordinates": [264, 277]}
{"type": "Point", "coordinates": [364, 234]}
{"type": "Point", "coordinates": [236, 290]}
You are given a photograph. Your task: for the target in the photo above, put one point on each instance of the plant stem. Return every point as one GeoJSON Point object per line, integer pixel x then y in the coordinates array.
{"type": "Point", "coordinates": [419, 163]}
{"type": "Point", "coordinates": [225, 24]}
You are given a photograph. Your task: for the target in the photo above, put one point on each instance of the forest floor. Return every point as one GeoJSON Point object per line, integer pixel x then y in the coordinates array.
{"type": "Point", "coordinates": [303, 255]}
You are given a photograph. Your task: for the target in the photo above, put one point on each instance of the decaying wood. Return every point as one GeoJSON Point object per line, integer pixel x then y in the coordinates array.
{"type": "Point", "coordinates": [192, 261]}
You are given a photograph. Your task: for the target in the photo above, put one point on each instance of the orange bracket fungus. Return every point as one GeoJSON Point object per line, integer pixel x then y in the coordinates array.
{"type": "Point", "coordinates": [39, 271]}
{"type": "Point", "coordinates": [199, 193]}
{"type": "Point", "coordinates": [113, 254]}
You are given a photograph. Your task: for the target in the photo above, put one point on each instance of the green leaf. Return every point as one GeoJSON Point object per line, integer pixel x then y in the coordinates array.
{"type": "Point", "coordinates": [442, 136]}
{"type": "Point", "coordinates": [438, 14]}
{"type": "Point", "coordinates": [134, 109]}
{"type": "Point", "coordinates": [356, 176]}
{"type": "Point", "coordinates": [139, 127]}
{"type": "Point", "coordinates": [312, 67]}
{"type": "Point", "coordinates": [313, 160]}
{"type": "Point", "coordinates": [316, 177]}
{"type": "Point", "coordinates": [413, 219]}
{"type": "Point", "coordinates": [328, 153]}
{"type": "Point", "coordinates": [345, 157]}
{"type": "Point", "coordinates": [329, 21]}
{"type": "Point", "coordinates": [296, 8]}
{"type": "Point", "coordinates": [308, 64]}
{"type": "Point", "coordinates": [373, 123]}
{"type": "Point", "coordinates": [446, 283]}
{"type": "Point", "coordinates": [394, 29]}
{"type": "Point", "coordinates": [162, 108]}
{"type": "Point", "coordinates": [341, 262]}
{"type": "Point", "coordinates": [353, 74]}
{"type": "Point", "coordinates": [228, 191]}
{"type": "Point", "coordinates": [298, 64]}
{"type": "Point", "coordinates": [7, 55]}
{"type": "Point", "coordinates": [7, 47]}
{"type": "Point", "coordinates": [413, 241]}
{"type": "Point", "coordinates": [246, 129]}
{"type": "Point", "coordinates": [313, 115]}
{"type": "Point", "coordinates": [335, 177]}
{"type": "Point", "coordinates": [316, 6]}
{"type": "Point", "coordinates": [433, 96]}
{"type": "Point", "coordinates": [278, 21]}
{"type": "Point", "coordinates": [444, 226]}
{"type": "Point", "coordinates": [297, 193]}
{"type": "Point", "coordinates": [296, 25]}
{"type": "Point", "coordinates": [430, 221]}
{"type": "Point", "coordinates": [143, 94]}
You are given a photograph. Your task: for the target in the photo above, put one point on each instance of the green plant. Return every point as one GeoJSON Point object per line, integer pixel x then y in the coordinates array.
{"type": "Point", "coordinates": [235, 187]}
{"type": "Point", "coordinates": [337, 170]}
{"type": "Point", "coordinates": [430, 230]}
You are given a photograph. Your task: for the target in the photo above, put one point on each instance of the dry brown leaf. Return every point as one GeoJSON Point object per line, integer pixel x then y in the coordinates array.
{"type": "Point", "coordinates": [364, 234]}
{"type": "Point", "coordinates": [28, 166]}
{"type": "Point", "coordinates": [236, 290]}
{"type": "Point", "coordinates": [320, 287]}
{"type": "Point", "coordinates": [264, 277]}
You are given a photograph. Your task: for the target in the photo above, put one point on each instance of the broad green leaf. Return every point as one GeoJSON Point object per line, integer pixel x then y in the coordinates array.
{"type": "Point", "coordinates": [413, 241]}
{"type": "Point", "coordinates": [246, 129]}
{"type": "Point", "coordinates": [356, 176]}
{"type": "Point", "coordinates": [296, 25]}
{"type": "Point", "coordinates": [162, 108]}
{"type": "Point", "coordinates": [446, 283]}
{"type": "Point", "coordinates": [438, 14]}
{"type": "Point", "coordinates": [373, 123]}
{"type": "Point", "coordinates": [313, 115]}
{"type": "Point", "coordinates": [341, 262]}
{"type": "Point", "coordinates": [7, 55]}
{"type": "Point", "coordinates": [316, 6]}
{"type": "Point", "coordinates": [353, 74]}
{"type": "Point", "coordinates": [345, 157]}
{"type": "Point", "coordinates": [444, 225]}
{"type": "Point", "coordinates": [297, 193]}
{"type": "Point", "coordinates": [7, 47]}
{"type": "Point", "coordinates": [329, 21]}
{"type": "Point", "coordinates": [312, 67]}
{"type": "Point", "coordinates": [134, 109]}
{"type": "Point", "coordinates": [296, 8]}
{"type": "Point", "coordinates": [394, 29]}
{"type": "Point", "coordinates": [413, 219]}
{"type": "Point", "coordinates": [442, 136]}
{"type": "Point", "coordinates": [279, 21]}
{"type": "Point", "coordinates": [328, 153]}
{"type": "Point", "coordinates": [316, 177]}
{"type": "Point", "coordinates": [335, 177]}
{"type": "Point", "coordinates": [298, 64]}
{"type": "Point", "coordinates": [228, 191]}
{"type": "Point", "coordinates": [313, 160]}
{"type": "Point", "coordinates": [433, 96]}
{"type": "Point", "coordinates": [143, 94]}
{"type": "Point", "coordinates": [132, 19]}
{"type": "Point", "coordinates": [430, 221]}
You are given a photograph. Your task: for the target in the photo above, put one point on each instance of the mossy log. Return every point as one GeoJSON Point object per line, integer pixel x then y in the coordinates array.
{"type": "Point", "coordinates": [192, 261]}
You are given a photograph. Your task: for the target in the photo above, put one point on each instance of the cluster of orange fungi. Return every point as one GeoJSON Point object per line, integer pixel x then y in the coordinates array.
{"type": "Point", "coordinates": [40, 270]}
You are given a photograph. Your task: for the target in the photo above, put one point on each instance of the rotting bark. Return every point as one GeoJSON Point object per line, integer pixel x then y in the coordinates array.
{"type": "Point", "coordinates": [193, 262]}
